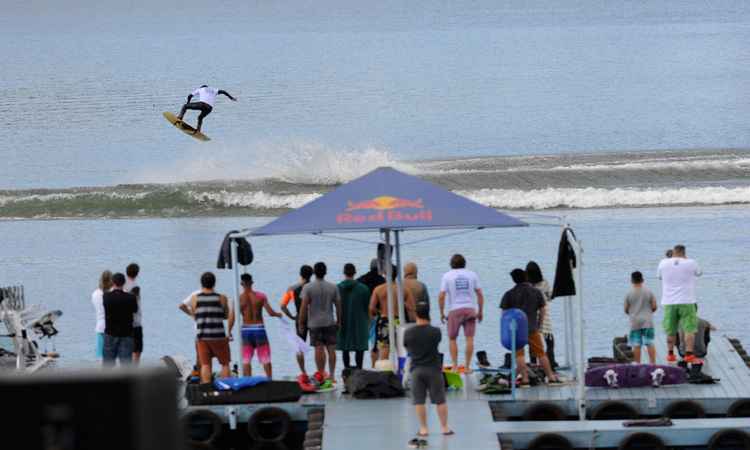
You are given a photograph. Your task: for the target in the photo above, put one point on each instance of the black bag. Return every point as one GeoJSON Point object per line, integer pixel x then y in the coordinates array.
{"type": "Point", "coordinates": [365, 384]}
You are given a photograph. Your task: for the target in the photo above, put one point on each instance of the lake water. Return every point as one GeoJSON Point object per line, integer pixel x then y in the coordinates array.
{"type": "Point", "coordinates": [59, 262]}
{"type": "Point", "coordinates": [629, 118]}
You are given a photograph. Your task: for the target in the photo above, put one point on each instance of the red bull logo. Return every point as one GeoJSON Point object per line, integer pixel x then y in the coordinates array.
{"type": "Point", "coordinates": [385, 202]}
{"type": "Point", "coordinates": [385, 209]}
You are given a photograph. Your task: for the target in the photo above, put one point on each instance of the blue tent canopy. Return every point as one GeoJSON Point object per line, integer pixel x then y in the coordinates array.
{"type": "Point", "coordinates": [387, 199]}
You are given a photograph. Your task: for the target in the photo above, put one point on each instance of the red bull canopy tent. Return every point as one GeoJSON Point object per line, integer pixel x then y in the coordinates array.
{"type": "Point", "coordinates": [385, 200]}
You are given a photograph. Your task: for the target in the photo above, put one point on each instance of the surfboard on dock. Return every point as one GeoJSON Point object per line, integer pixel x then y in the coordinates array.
{"type": "Point", "coordinates": [634, 375]}
{"type": "Point", "coordinates": [184, 127]}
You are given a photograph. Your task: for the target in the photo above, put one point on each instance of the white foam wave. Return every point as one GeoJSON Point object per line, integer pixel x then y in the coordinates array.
{"type": "Point", "coordinates": [254, 200]}
{"type": "Point", "coordinates": [606, 198]}
{"type": "Point", "coordinates": [703, 164]}
{"type": "Point", "coordinates": [677, 165]}
{"type": "Point", "coordinates": [299, 162]}
{"type": "Point", "coordinates": [67, 196]}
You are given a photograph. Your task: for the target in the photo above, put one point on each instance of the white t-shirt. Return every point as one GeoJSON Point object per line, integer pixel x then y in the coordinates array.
{"type": "Point", "coordinates": [677, 277]}
{"type": "Point", "coordinates": [206, 95]}
{"type": "Point", "coordinates": [97, 298]}
{"type": "Point", "coordinates": [460, 286]}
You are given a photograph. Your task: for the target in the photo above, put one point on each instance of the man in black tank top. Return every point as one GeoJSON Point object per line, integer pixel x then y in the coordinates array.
{"type": "Point", "coordinates": [210, 309]}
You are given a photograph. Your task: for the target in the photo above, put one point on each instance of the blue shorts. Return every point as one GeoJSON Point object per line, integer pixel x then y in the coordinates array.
{"type": "Point", "coordinates": [99, 345]}
{"type": "Point", "coordinates": [642, 337]}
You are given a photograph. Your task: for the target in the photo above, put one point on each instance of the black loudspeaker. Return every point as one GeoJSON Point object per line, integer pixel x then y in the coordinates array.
{"type": "Point", "coordinates": [91, 410]}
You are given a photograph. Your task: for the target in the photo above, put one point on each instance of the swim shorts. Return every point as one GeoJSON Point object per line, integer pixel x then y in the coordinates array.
{"type": "Point", "coordinates": [425, 379]}
{"type": "Point", "coordinates": [462, 317]}
{"type": "Point", "coordinates": [536, 345]}
{"type": "Point", "coordinates": [382, 339]}
{"type": "Point", "coordinates": [137, 339]}
{"type": "Point", "coordinates": [99, 345]}
{"type": "Point", "coordinates": [323, 336]}
{"type": "Point", "coordinates": [644, 336]}
{"type": "Point", "coordinates": [680, 317]}
{"type": "Point", "coordinates": [254, 339]}
{"type": "Point", "coordinates": [213, 348]}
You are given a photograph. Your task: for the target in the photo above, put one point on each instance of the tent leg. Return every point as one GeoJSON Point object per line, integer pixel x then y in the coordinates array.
{"type": "Point", "coordinates": [238, 312]}
{"type": "Point", "coordinates": [399, 280]}
{"type": "Point", "coordinates": [389, 300]}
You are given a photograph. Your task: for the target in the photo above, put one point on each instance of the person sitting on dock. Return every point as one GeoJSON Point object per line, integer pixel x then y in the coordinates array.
{"type": "Point", "coordinates": [530, 300]}
{"type": "Point", "coordinates": [678, 275]}
{"type": "Point", "coordinates": [640, 305]}
{"type": "Point", "coordinates": [460, 287]}
{"type": "Point", "coordinates": [254, 337]}
{"type": "Point", "coordinates": [293, 293]}
{"type": "Point", "coordinates": [426, 372]}
{"type": "Point", "coordinates": [210, 309]}
{"type": "Point", "coordinates": [319, 298]}
{"type": "Point", "coordinates": [379, 309]}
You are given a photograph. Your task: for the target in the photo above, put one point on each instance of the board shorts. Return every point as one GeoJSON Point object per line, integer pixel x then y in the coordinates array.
{"type": "Point", "coordinates": [536, 345]}
{"type": "Point", "coordinates": [382, 339]}
{"type": "Point", "coordinates": [254, 339]}
{"type": "Point", "coordinates": [425, 379]}
{"type": "Point", "coordinates": [213, 348]}
{"type": "Point", "coordinates": [323, 336]}
{"type": "Point", "coordinates": [99, 345]}
{"type": "Point", "coordinates": [643, 336]}
{"type": "Point", "coordinates": [680, 317]}
{"type": "Point", "coordinates": [462, 317]}
{"type": "Point", "coordinates": [138, 340]}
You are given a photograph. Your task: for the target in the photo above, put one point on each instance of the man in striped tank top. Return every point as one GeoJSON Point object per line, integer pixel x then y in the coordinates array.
{"type": "Point", "coordinates": [210, 309]}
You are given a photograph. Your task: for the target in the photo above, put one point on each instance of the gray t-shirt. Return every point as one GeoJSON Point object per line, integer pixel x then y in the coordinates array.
{"type": "Point", "coordinates": [638, 301]}
{"type": "Point", "coordinates": [422, 343]}
{"type": "Point", "coordinates": [323, 296]}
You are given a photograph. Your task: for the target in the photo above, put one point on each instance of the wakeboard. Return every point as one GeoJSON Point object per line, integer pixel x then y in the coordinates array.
{"type": "Point", "coordinates": [634, 375]}
{"type": "Point", "coordinates": [185, 128]}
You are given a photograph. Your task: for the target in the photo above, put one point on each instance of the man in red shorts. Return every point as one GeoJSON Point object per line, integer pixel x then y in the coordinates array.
{"type": "Point", "coordinates": [210, 309]}
{"type": "Point", "coordinates": [460, 289]}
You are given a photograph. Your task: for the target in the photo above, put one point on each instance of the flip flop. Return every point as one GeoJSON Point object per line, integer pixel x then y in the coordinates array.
{"type": "Point", "coordinates": [422, 435]}
{"type": "Point", "coordinates": [449, 433]}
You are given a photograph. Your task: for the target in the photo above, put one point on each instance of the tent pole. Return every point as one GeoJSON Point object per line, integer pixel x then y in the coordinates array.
{"type": "Point", "coordinates": [389, 299]}
{"type": "Point", "coordinates": [581, 391]}
{"type": "Point", "coordinates": [399, 280]}
{"type": "Point", "coordinates": [238, 312]}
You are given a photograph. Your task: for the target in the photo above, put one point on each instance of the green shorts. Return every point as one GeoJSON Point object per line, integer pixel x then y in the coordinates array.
{"type": "Point", "coordinates": [680, 317]}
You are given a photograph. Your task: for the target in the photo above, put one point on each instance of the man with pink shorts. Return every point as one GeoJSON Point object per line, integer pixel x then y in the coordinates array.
{"type": "Point", "coordinates": [460, 287]}
{"type": "Point", "coordinates": [254, 338]}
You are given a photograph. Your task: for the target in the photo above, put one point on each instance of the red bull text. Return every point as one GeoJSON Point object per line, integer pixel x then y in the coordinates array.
{"type": "Point", "coordinates": [384, 209]}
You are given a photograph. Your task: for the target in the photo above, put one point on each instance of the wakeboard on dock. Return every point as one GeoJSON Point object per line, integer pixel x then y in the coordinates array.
{"type": "Point", "coordinates": [187, 129]}
{"type": "Point", "coordinates": [634, 375]}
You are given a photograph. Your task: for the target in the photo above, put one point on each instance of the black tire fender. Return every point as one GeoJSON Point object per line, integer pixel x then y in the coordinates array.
{"type": "Point", "coordinates": [550, 441]}
{"type": "Point", "coordinates": [641, 441]}
{"type": "Point", "coordinates": [201, 427]}
{"type": "Point", "coordinates": [269, 424]}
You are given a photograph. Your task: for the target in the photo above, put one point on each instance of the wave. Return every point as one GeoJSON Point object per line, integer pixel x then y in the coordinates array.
{"type": "Point", "coordinates": [298, 162]}
{"type": "Point", "coordinates": [282, 182]}
{"type": "Point", "coordinates": [607, 198]}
